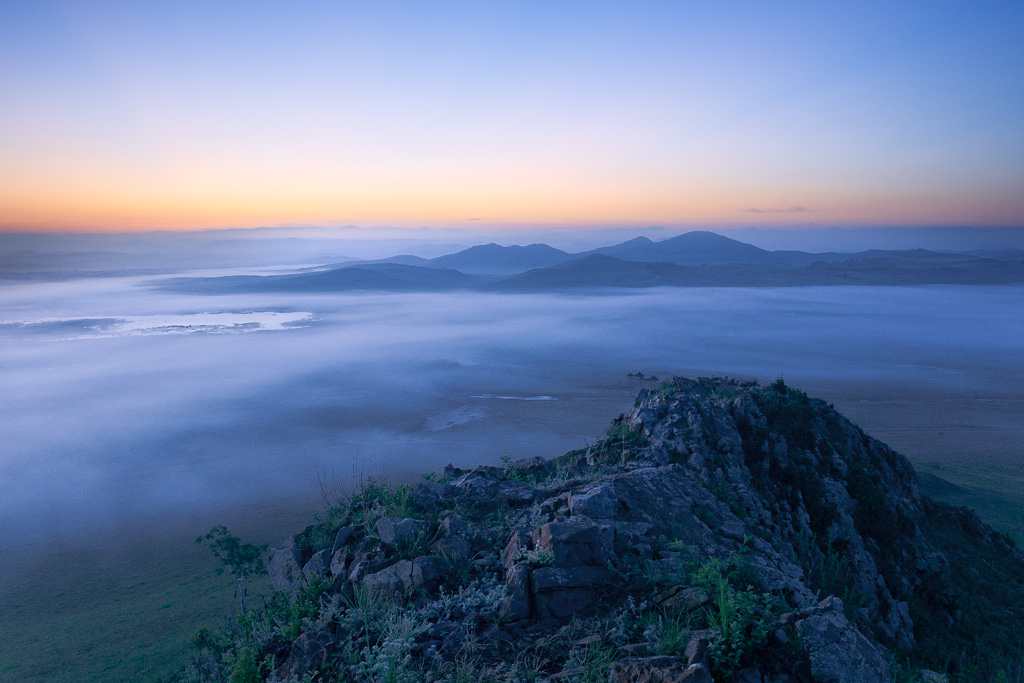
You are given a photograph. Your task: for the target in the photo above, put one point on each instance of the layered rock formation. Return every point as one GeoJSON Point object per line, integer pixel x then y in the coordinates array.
{"type": "Point", "coordinates": [723, 531]}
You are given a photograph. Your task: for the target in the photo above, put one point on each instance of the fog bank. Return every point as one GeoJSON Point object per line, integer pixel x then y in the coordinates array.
{"type": "Point", "coordinates": [121, 403]}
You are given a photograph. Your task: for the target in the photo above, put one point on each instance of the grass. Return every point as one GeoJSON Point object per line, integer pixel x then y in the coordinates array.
{"type": "Point", "coordinates": [118, 607]}
{"type": "Point", "coordinates": [95, 622]}
{"type": "Point", "coordinates": [970, 444]}
{"type": "Point", "coordinates": [986, 642]}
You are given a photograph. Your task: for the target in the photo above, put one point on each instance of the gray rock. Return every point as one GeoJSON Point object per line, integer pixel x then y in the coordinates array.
{"type": "Point", "coordinates": [686, 599]}
{"type": "Point", "coordinates": [358, 572]}
{"type": "Point", "coordinates": [661, 669]}
{"type": "Point", "coordinates": [535, 466]}
{"type": "Point", "coordinates": [309, 651]}
{"type": "Point", "coordinates": [339, 562]}
{"type": "Point", "coordinates": [478, 490]}
{"type": "Point", "coordinates": [317, 567]}
{"type": "Point", "coordinates": [429, 494]}
{"type": "Point", "coordinates": [404, 576]}
{"type": "Point", "coordinates": [457, 549]}
{"type": "Point", "coordinates": [698, 647]}
{"type": "Point", "coordinates": [838, 652]}
{"type": "Point", "coordinates": [392, 581]}
{"type": "Point", "coordinates": [578, 541]}
{"type": "Point", "coordinates": [344, 535]}
{"type": "Point", "coordinates": [453, 526]}
{"type": "Point", "coordinates": [362, 568]}
{"type": "Point", "coordinates": [559, 578]}
{"type": "Point", "coordinates": [598, 503]}
{"type": "Point", "coordinates": [561, 592]}
{"type": "Point", "coordinates": [516, 606]}
{"type": "Point", "coordinates": [519, 542]}
{"type": "Point", "coordinates": [285, 568]}
{"type": "Point", "coordinates": [426, 574]}
{"type": "Point", "coordinates": [515, 494]}
{"type": "Point", "coordinates": [638, 649]}
{"type": "Point", "coordinates": [493, 633]}
{"type": "Point", "coordinates": [562, 604]}
{"type": "Point", "coordinates": [395, 532]}
{"type": "Point", "coordinates": [747, 675]}
{"type": "Point", "coordinates": [341, 586]}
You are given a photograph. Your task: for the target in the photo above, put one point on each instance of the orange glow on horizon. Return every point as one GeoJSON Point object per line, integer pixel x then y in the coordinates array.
{"type": "Point", "coordinates": [85, 212]}
{"type": "Point", "coordinates": [220, 197]}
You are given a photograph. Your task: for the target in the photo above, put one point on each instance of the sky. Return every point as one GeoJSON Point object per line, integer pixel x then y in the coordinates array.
{"type": "Point", "coordinates": [135, 116]}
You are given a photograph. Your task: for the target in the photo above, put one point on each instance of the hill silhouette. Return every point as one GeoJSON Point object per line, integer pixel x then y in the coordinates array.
{"type": "Point", "coordinates": [694, 259]}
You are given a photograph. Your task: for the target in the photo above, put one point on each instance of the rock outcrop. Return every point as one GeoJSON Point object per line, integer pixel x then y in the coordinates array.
{"type": "Point", "coordinates": [724, 531]}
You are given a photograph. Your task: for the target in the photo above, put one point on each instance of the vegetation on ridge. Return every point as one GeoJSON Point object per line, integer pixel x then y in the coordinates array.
{"type": "Point", "coordinates": [770, 501]}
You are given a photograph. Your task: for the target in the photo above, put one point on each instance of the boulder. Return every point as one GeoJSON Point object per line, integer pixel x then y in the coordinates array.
{"type": "Point", "coordinates": [578, 541]}
{"type": "Point", "coordinates": [363, 568]}
{"type": "Point", "coordinates": [403, 577]}
{"type": "Point", "coordinates": [526, 467]}
{"type": "Point", "coordinates": [450, 471]}
{"type": "Point", "coordinates": [647, 417]}
{"type": "Point", "coordinates": [631, 538]}
{"type": "Point", "coordinates": [515, 494]}
{"type": "Point", "coordinates": [427, 574]}
{"type": "Point", "coordinates": [317, 567]}
{"type": "Point", "coordinates": [838, 652]}
{"type": "Point", "coordinates": [339, 561]}
{"type": "Point", "coordinates": [457, 549]}
{"type": "Point", "coordinates": [429, 494]}
{"type": "Point", "coordinates": [285, 568]}
{"type": "Point", "coordinates": [341, 539]}
{"type": "Point", "coordinates": [309, 651]}
{"type": "Point", "coordinates": [598, 503]}
{"type": "Point", "coordinates": [395, 532]}
{"type": "Point", "coordinates": [479, 490]}
{"type": "Point", "coordinates": [516, 606]}
{"type": "Point", "coordinates": [392, 581]}
{"type": "Point", "coordinates": [452, 525]}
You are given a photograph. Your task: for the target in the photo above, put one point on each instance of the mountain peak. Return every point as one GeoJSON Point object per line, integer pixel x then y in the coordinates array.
{"type": "Point", "coordinates": [724, 530]}
{"type": "Point", "coordinates": [699, 247]}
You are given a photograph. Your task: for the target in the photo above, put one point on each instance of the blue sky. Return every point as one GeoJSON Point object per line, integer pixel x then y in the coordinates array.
{"type": "Point", "coordinates": [197, 115]}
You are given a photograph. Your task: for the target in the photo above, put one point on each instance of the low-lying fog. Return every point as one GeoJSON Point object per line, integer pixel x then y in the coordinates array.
{"type": "Point", "coordinates": [121, 403]}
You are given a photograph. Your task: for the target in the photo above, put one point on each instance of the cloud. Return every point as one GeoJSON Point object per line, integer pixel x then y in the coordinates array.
{"type": "Point", "coordinates": [792, 209]}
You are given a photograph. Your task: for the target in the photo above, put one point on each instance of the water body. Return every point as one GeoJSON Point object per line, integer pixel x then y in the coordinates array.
{"type": "Point", "coordinates": [119, 402]}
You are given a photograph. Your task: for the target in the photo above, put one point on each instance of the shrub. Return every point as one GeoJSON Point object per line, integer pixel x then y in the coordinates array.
{"type": "Point", "coordinates": [239, 559]}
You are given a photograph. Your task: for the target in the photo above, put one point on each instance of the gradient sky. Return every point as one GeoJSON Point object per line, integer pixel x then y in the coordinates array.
{"type": "Point", "coordinates": [187, 115]}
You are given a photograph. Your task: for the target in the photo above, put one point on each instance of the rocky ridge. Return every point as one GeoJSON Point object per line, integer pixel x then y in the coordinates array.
{"type": "Point", "coordinates": [724, 531]}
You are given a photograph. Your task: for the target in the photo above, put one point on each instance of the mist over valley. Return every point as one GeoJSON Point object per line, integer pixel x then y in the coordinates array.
{"type": "Point", "coordinates": [134, 398]}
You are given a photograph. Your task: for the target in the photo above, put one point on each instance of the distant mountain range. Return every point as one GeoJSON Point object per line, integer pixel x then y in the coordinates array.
{"type": "Point", "coordinates": [693, 259]}
{"type": "Point", "coordinates": [393, 277]}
